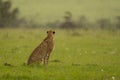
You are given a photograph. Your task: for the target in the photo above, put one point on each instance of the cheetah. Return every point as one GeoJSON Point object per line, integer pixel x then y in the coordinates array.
{"type": "Point", "coordinates": [43, 51]}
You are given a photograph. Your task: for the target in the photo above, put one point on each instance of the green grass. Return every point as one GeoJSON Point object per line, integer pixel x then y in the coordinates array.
{"type": "Point", "coordinates": [48, 11]}
{"type": "Point", "coordinates": [91, 55]}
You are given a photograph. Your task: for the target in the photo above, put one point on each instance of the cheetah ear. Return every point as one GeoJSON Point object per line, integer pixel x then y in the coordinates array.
{"type": "Point", "coordinates": [47, 31]}
{"type": "Point", "coordinates": [53, 32]}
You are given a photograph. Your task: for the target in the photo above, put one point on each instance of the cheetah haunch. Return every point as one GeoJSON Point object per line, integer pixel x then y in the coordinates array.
{"type": "Point", "coordinates": [43, 51]}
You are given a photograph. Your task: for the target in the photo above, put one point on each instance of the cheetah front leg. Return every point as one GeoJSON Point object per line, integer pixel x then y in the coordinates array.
{"type": "Point", "coordinates": [46, 58]}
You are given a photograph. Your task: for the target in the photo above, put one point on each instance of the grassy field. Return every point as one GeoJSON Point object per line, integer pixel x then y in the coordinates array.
{"type": "Point", "coordinates": [78, 55]}
{"type": "Point", "coordinates": [48, 11]}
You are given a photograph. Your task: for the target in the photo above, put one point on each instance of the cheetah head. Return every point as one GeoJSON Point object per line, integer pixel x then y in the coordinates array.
{"type": "Point", "coordinates": [50, 32]}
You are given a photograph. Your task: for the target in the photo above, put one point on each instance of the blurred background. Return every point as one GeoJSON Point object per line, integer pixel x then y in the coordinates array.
{"type": "Point", "coordinates": [65, 14]}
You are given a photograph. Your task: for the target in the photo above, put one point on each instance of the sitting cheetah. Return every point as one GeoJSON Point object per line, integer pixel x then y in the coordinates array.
{"type": "Point", "coordinates": [42, 52]}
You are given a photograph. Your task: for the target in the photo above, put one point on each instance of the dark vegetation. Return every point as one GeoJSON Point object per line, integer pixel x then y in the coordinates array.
{"type": "Point", "coordinates": [9, 17]}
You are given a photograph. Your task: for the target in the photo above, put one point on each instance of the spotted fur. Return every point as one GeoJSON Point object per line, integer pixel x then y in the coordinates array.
{"type": "Point", "coordinates": [43, 51]}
